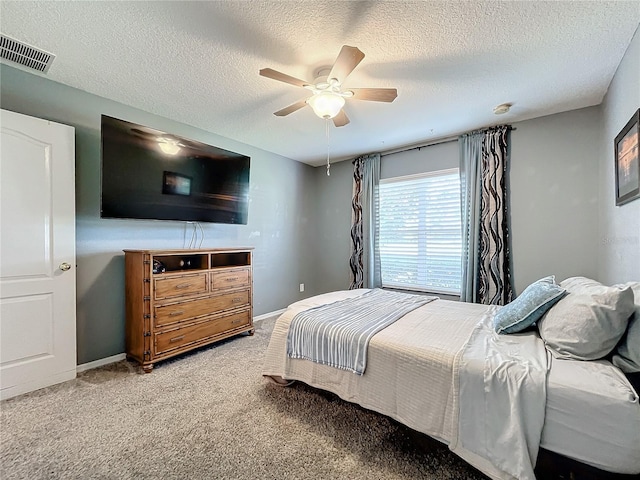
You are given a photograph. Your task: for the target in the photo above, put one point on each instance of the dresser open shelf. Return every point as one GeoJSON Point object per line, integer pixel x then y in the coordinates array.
{"type": "Point", "coordinates": [178, 300]}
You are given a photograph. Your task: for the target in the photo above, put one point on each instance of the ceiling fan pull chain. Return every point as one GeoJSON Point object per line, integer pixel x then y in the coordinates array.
{"type": "Point", "coordinates": [326, 123]}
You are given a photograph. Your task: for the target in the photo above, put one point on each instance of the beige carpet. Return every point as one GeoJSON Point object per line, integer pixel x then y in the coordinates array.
{"type": "Point", "coordinates": [208, 415]}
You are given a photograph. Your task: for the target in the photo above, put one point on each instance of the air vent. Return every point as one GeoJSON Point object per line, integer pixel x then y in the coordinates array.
{"type": "Point", "coordinates": [24, 54]}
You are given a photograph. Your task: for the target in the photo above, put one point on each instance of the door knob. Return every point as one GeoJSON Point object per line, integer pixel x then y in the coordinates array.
{"type": "Point", "coordinates": [64, 266]}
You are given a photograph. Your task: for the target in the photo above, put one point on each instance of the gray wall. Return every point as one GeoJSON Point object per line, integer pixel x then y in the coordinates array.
{"type": "Point", "coordinates": [553, 198]}
{"type": "Point", "coordinates": [280, 227]}
{"type": "Point", "coordinates": [428, 159]}
{"type": "Point", "coordinates": [333, 224]}
{"type": "Point", "coordinates": [619, 246]}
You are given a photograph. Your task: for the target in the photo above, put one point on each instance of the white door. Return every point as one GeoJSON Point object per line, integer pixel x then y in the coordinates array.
{"type": "Point", "coordinates": [37, 254]}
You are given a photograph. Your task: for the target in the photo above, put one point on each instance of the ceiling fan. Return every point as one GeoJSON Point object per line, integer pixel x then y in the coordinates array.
{"type": "Point", "coordinates": [328, 95]}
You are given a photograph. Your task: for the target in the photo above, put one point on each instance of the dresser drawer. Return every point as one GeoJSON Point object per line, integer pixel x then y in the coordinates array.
{"type": "Point", "coordinates": [177, 312]}
{"type": "Point", "coordinates": [230, 279]}
{"type": "Point", "coordinates": [170, 287]}
{"type": "Point", "coordinates": [173, 339]}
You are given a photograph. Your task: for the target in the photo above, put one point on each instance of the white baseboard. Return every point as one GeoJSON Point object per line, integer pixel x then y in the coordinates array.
{"type": "Point", "coordinates": [100, 362]}
{"type": "Point", "coordinates": [122, 356]}
{"type": "Point", "coordinates": [267, 315]}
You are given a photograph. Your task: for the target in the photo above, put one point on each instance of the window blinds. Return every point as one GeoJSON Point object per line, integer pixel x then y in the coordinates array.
{"type": "Point", "coordinates": [420, 232]}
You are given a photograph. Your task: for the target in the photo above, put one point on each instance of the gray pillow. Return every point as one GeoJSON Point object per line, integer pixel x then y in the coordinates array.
{"type": "Point", "coordinates": [589, 321]}
{"type": "Point", "coordinates": [528, 307]}
{"type": "Point", "coordinates": [627, 356]}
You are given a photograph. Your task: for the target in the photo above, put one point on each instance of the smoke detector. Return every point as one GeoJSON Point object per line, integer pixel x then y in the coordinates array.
{"type": "Point", "coordinates": [24, 54]}
{"type": "Point", "coordinates": [502, 108]}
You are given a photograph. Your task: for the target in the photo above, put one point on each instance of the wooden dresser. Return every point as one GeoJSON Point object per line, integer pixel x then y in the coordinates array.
{"type": "Point", "coordinates": [178, 300]}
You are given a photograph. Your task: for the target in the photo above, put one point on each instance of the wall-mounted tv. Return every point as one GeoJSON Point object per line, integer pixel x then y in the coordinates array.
{"type": "Point", "coordinates": [150, 174]}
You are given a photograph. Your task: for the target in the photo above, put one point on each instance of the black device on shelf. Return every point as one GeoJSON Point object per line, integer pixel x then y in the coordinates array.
{"type": "Point", "coordinates": [150, 174]}
{"type": "Point", "coordinates": [177, 263]}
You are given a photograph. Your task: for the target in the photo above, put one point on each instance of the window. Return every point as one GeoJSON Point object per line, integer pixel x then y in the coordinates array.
{"type": "Point", "coordinates": [420, 232]}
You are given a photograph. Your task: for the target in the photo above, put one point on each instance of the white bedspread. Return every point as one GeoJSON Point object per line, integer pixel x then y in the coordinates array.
{"type": "Point", "coordinates": [412, 375]}
{"type": "Point", "coordinates": [409, 367]}
{"type": "Point", "coordinates": [338, 334]}
{"type": "Point", "coordinates": [502, 395]}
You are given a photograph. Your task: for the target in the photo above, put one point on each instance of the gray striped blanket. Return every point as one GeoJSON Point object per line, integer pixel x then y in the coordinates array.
{"type": "Point", "coordinates": [338, 334]}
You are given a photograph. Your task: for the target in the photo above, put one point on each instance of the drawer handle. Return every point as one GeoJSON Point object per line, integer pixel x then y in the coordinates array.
{"type": "Point", "coordinates": [232, 279]}
{"type": "Point", "coordinates": [233, 322]}
{"type": "Point", "coordinates": [176, 339]}
{"type": "Point", "coordinates": [176, 313]}
{"type": "Point", "coordinates": [238, 300]}
{"type": "Point", "coordinates": [183, 286]}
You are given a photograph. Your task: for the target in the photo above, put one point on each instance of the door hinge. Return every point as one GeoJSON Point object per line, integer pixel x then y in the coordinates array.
{"type": "Point", "coordinates": [147, 262]}
{"type": "Point", "coordinates": [147, 334]}
{"type": "Point", "coordinates": [147, 354]}
{"type": "Point", "coordinates": [147, 315]}
{"type": "Point", "coordinates": [146, 297]}
{"type": "Point", "coordinates": [147, 280]}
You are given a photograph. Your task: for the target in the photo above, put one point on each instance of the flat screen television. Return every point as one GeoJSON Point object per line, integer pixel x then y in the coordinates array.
{"type": "Point", "coordinates": [150, 174]}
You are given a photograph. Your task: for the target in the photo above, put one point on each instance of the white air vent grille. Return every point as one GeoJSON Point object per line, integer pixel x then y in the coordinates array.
{"type": "Point", "coordinates": [24, 54]}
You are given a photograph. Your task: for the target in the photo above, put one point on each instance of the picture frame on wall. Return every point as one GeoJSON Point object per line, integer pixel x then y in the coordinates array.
{"type": "Point", "coordinates": [627, 161]}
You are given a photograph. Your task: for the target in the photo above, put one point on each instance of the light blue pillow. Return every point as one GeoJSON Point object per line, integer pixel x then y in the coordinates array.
{"type": "Point", "coordinates": [529, 306]}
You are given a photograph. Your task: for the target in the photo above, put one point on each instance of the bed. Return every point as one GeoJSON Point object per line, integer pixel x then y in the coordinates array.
{"type": "Point", "coordinates": [428, 370]}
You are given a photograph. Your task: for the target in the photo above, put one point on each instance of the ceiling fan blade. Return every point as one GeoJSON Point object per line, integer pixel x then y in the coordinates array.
{"type": "Point", "coordinates": [282, 77]}
{"type": "Point", "coordinates": [375, 94]}
{"type": "Point", "coordinates": [341, 119]}
{"type": "Point", "coordinates": [291, 108]}
{"type": "Point", "coordinates": [348, 59]}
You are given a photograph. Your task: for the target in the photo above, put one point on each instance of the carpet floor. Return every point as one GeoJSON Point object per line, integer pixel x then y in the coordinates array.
{"type": "Point", "coordinates": [208, 414]}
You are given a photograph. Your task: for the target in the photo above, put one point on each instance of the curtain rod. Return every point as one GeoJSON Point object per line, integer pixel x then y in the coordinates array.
{"type": "Point", "coordinates": [418, 147]}
{"type": "Point", "coordinates": [437, 142]}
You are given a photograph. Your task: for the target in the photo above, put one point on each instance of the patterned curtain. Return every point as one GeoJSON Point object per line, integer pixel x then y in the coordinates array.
{"type": "Point", "coordinates": [364, 223]}
{"type": "Point", "coordinates": [486, 251]}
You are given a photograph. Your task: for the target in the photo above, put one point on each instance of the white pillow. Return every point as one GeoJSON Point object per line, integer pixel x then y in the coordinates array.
{"type": "Point", "coordinates": [589, 321]}
{"type": "Point", "coordinates": [627, 356]}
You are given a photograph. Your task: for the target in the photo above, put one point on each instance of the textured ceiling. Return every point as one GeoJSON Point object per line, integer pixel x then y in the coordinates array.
{"type": "Point", "coordinates": [452, 62]}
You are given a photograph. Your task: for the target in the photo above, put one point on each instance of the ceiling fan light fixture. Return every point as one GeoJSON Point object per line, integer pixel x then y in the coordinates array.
{"type": "Point", "coordinates": [326, 104]}
{"type": "Point", "coordinates": [328, 98]}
